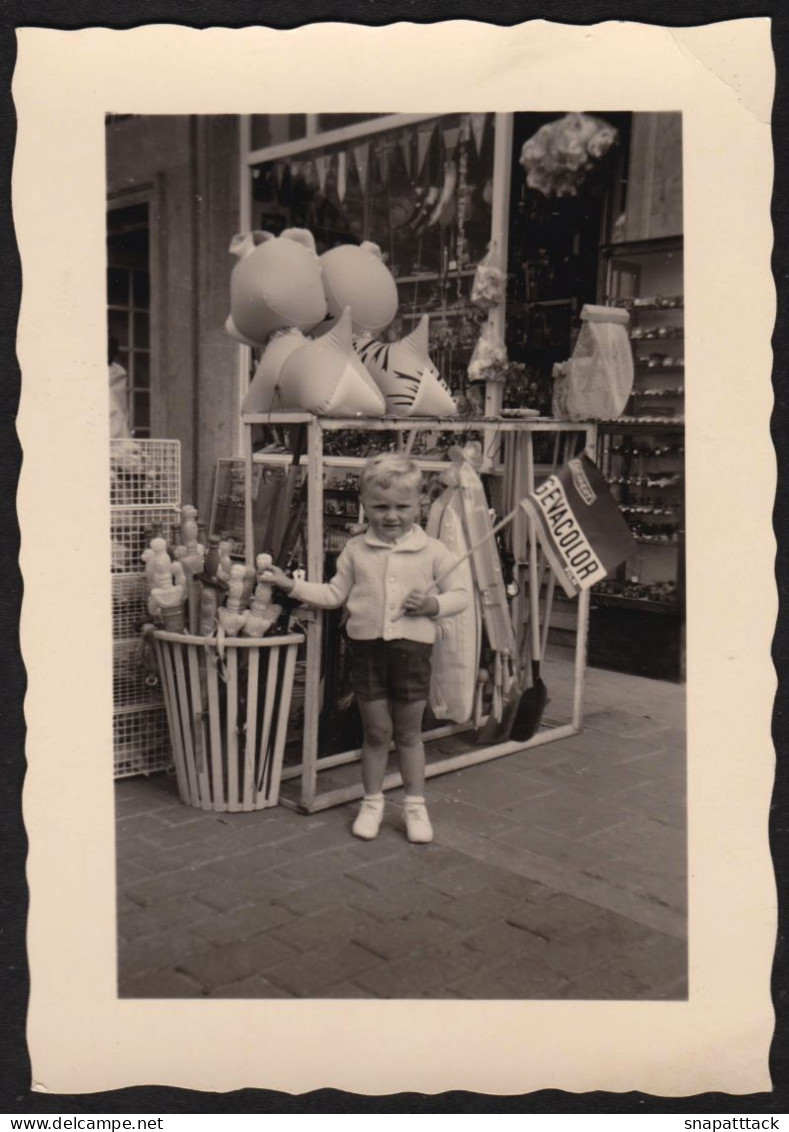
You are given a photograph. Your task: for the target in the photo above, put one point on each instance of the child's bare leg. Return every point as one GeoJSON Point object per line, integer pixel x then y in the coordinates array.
{"type": "Point", "coordinates": [377, 724]}
{"type": "Point", "coordinates": [407, 720]}
{"type": "Point", "coordinates": [377, 727]}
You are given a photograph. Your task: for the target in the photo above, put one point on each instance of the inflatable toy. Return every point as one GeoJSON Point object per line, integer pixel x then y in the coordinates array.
{"type": "Point", "coordinates": [326, 377]}
{"type": "Point", "coordinates": [275, 284]}
{"type": "Point", "coordinates": [406, 376]}
{"type": "Point", "coordinates": [262, 395]}
{"type": "Point", "coordinates": [357, 277]}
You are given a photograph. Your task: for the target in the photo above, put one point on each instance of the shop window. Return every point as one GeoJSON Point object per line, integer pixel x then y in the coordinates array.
{"type": "Point", "coordinates": [422, 192]}
{"type": "Point", "coordinates": [276, 129]}
{"type": "Point", "coordinates": [128, 307]}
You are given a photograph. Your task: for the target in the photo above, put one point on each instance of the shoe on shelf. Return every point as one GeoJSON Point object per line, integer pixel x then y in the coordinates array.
{"type": "Point", "coordinates": [368, 820]}
{"type": "Point", "coordinates": [418, 829]}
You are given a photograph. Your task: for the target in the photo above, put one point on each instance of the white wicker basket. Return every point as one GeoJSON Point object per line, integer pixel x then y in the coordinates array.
{"type": "Point", "coordinates": [228, 704]}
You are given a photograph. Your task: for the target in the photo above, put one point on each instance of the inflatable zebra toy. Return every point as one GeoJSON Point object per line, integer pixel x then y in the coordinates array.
{"type": "Point", "coordinates": [403, 371]}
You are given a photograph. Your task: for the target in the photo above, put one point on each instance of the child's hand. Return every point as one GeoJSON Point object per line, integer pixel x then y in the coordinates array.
{"type": "Point", "coordinates": [278, 578]}
{"type": "Point", "coordinates": [419, 604]}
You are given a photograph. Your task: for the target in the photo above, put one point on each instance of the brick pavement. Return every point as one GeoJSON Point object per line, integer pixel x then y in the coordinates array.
{"type": "Point", "coordinates": [556, 873]}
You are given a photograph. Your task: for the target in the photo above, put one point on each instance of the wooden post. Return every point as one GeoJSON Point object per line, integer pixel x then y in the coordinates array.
{"type": "Point", "coordinates": [312, 701]}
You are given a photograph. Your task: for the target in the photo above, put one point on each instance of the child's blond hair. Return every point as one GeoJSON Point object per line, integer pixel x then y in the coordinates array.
{"type": "Point", "coordinates": [388, 468]}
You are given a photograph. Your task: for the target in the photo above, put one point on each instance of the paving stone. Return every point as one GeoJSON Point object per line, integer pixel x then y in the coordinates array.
{"type": "Point", "coordinates": [624, 723]}
{"type": "Point", "coordinates": [255, 986]}
{"type": "Point", "coordinates": [554, 916]}
{"type": "Point", "coordinates": [594, 778]}
{"type": "Point", "coordinates": [175, 859]}
{"type": "Point", "coordinates": [310, 974]}
{"type": "Point", "coordinates": [318, 840]}
{"type": "Point", "coordinates": [174, 912]}
{"type": "Point", "coordinates": [159, 984]}
{"type": "Point", "coordinates": [337, 923]}
{"type": "Point", "coordinates": [227, 964]}
{"type": "Point", "coordinates": [483, 823]}
{"type": "Point", "coordinates": [129, 871]}
{"type": "Point", "coordinates": [237, 862]}
{"type": "Point", "coordinates": [667, 764]}
{"type": "Point", "coordinates": [556, 847]}
{"type": "Point", "coordinates": [154, 952]}
{"type": "Point", "coordinates": [478, 786]}
{"type": "Point", "coordinates": [658, 961]}
{"type": "Point", "coordinates": [240, 924]}
{"type": "Point", "coordinates": [613, 750]}
{"type": "Point", "coordinates": [128, 827]}
{"type": "Point", "coordinates": [347, 989]}
{"type": "Point", "coordinates": [311, 869]}
{"type": "Point", "coordinates": [499, 941]}
{"type": "Point", "coordinates": [475, 876]}
{"type": "Point", "coordinates": [660, 799]}
{"type": "Point", "coordinates": [642, 841]}
{"type": "Point", "coordinates": [417, 976]}
{"type": "Point", "coordinates": [184, 882]}
{"type": "Point", "coordinates": [228, 895]}
{"type": "Point", "coordinates": [676, 991]}
{"type": "Point", "coordinates": [605, 939]}
{"type": "Point", "coordinates": [421, 861]}
{"type": "Point", "coordinates": [566, 814]}
{"type": "Point", "coordinates": [203, 829]}
{"type": "Point", "coordinates": [607, 981]}
{"type": "Point", "coordinates": [650, 883]}
{"type": "Point", "coordinates": [390, 842]}
{"type": "Point", "coordinates": [477, 908]}
{"type": "Point", "coordinates": [515, 979]}
{"type": "Point", "coordinates": [400, 900]}
{"type": "Point", "coordinates": [316, 897]}
{"type": "Point", "coordinates": [400, 937]}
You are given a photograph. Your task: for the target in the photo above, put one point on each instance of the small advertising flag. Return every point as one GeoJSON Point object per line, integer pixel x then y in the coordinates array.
{"type": "Point", "coordinates": [579, 524]}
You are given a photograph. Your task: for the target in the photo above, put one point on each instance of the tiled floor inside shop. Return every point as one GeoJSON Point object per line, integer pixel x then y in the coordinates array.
{"type": "Point", "coordinates": [558, 872]}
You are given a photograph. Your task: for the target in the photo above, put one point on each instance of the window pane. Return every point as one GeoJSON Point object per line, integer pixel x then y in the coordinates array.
{"type": "Point", "coordinates": [336, 121]}
{"type": "Point", "coordinates": [142, 370]}
{"type": "Point", "coordinates": [118, 323]}
{"type": "Point", "coordinates": [117, 286]}
{"type": "Point", "coordinates": [142, 289]}
{"type": "Point", "coordinates": [142, 410]}
{"type": "Point", "coordinates": [141, 331]}
{"type": "Point", "coordinates": [275, 129]}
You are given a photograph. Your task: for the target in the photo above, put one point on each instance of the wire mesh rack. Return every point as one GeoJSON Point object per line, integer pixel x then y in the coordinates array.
{"type": "Point", "coordinates": [145, 473]}
{"type": "Point", "coordinates": [135, 678]}
{"type": "Point", "coordinates": [129, 605]}
{"type": "Point", "coordinates": [131, 530]}
{"type": "Point", "coordinates": [141, 742]}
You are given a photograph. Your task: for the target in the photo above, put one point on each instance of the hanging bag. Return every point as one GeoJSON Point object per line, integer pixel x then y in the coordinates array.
{"type": "Point", "coordinates": [597, 381]}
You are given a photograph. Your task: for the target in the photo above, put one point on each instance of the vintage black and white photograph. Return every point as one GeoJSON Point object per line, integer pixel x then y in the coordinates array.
{"type": "Point", "coordinates": [397, 618]}
{"type": "Point", "coordinates": [397, 540]}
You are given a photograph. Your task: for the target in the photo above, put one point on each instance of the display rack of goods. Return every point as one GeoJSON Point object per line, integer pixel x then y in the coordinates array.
{"type": "Point", "coordinates": [145, 491]}
{"type": "Point", "coordinates": [637, 618]}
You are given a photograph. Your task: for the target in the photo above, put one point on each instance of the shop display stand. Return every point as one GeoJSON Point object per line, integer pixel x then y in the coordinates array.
{"type": "Point", "coordinates": [313, 799]}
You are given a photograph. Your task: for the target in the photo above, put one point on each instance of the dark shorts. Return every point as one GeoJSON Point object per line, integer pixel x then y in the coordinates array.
{"type": "Point", "coordinates": [390, 670]}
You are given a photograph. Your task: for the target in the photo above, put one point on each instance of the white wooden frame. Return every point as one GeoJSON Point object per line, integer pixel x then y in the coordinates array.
{"type": "Point", "coordinates": [311, 800]}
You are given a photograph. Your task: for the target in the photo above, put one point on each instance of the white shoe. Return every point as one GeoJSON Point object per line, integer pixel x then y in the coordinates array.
{"type": "Point", "coordinates": [368, 820]}
{"type": "Point", "coordinates": [417, 824]}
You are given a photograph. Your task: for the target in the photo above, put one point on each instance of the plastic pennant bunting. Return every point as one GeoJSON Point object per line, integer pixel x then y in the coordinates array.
{"type": "Point", "coordinates": [322, 169]}
{"type": "Point", "coordinates": [423, 139]}
{"type": "Point", "coordinates": [478, 122]}
{"type": "Point", "coordinates": [361, 155]}
{"type": "Point", "coordinates": [451, 135]}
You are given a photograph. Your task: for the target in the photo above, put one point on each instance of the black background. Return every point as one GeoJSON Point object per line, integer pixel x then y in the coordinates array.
{"type": "Point", "coordinates": [15, 1092]}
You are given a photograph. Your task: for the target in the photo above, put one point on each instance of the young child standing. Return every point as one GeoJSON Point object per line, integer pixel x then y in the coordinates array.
{"type": "Point", "coordinates": [383, 577]}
